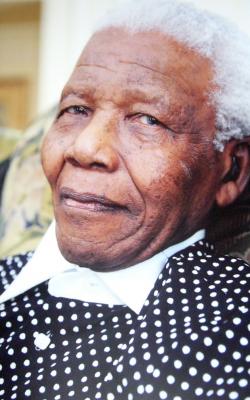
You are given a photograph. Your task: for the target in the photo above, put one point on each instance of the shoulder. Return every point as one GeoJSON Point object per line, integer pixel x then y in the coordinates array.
{"type": "Point", "coordinates": [213, 288]}
{"type": "Point", "coordinates": [202, 257]}
{"type": "Point", "coordinates": [223, 267]}
{"type": "Point", "coordinates": [216, 274]}
{"type": "Point", "coordinates": [10, 268]}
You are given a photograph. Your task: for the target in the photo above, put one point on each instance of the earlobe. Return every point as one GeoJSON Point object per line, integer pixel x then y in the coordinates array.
{"type": "Point", "coordinates": [236, 172]}
{"type": "Point", "coordinates": [227, 194]}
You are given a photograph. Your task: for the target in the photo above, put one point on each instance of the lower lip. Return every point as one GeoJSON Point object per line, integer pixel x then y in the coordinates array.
{"type": "Point", "coordinates": [89, 206]}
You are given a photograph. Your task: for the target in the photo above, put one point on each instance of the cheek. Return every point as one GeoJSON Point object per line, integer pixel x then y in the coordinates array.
{"type": "Point", "coordinates": [160, 178]}
{"type": "Point", "coordinates": [169, 180]}
{"type": "Point", "coordinates": [52, 156]}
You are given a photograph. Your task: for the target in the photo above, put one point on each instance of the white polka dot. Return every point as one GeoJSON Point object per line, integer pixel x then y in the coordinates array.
{"type": "Point", "coordinates": [177, 364]}
{"type": "Point", "coordinates": [208, 341]}
{"type": "Point", "coordinates": [192, 371]}
{"type": "Point", "coordinates": [170, 379]}
{"type": "Point", "coordinates": [42, 389]}
{"type": "Point", "coordinates": [198, 391]}
{"type": "Point", "coordinates": [186, 349]}
{"type": "Point", "coordinates": [140, 389]}
{"type": "Point", "coordinates": [163, 395]}
{"type": "Point", "coordinates": [233, 395]}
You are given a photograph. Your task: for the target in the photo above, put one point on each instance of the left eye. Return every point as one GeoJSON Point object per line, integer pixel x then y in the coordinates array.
{"type": "Point", "coordinates": [74, 110]}
{"type": "Point", "coordinates": [78, 110]}
{"type": "Point", "coordinates": [149, 120]}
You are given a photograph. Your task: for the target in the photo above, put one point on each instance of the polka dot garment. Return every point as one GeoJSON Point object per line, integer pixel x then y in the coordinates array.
{"type": "Point", "coordinates": [190, 340]}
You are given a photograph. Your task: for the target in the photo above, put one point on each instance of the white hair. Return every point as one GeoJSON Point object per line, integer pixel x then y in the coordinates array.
{"type": "Point", "coordinates": [213, 37]}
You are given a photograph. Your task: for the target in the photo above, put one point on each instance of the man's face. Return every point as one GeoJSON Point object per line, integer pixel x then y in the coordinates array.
{"type": "Point", "coordinates": [130, 157]}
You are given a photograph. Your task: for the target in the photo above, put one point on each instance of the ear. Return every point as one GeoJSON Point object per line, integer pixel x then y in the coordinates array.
{"type": "Point", "coordinates": [235, 161]}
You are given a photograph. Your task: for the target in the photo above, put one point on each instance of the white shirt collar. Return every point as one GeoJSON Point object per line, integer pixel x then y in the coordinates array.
{"type": "Point", "coordinates": [130, 286]}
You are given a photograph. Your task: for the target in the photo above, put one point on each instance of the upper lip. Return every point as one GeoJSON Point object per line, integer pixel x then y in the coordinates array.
{"type": "Point", "coordinates": [89, 198]}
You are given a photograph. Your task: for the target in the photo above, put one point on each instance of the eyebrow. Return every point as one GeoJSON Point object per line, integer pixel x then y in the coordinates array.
{"type": "Point", "coordinates": [85, 92]}
{"type": "Point", "coordinates": [70, 91]}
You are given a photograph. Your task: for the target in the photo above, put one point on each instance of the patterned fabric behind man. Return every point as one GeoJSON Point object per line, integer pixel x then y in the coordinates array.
{"type": "Point", "coordinates": [26, 208]}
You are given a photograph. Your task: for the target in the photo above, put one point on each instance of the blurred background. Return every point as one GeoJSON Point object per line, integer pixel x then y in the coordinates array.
{"type": "Point", "coordinates": [40, 41]}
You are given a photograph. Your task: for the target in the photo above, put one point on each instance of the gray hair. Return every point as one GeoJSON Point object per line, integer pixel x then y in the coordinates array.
{"type": "Point", "coordinates": [214, 38]}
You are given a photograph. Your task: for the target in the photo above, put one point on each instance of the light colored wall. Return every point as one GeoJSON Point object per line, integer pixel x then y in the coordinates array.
{"type": "Point", "coordinates": [237, 11]}
{"type": "Point", "coordinates": [19, 40]}
{"type": "Point", "coordinates": [66, 26]}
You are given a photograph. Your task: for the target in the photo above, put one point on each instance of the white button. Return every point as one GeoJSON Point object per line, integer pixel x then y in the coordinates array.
{"type": "Point", "coordinates": [42, 341]}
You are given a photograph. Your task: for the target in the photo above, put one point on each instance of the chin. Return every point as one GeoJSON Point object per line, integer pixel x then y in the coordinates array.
{"type": "Point", "coordinates": [90, 256]}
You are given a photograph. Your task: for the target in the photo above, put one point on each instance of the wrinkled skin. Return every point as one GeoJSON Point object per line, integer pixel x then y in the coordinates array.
{"type": "Point", "coordinates": [130, 157]}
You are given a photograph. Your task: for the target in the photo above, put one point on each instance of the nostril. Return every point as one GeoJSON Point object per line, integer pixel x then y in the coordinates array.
{"type": "Point", "coordinates": [98, 165]}
{"type": "Point", "coordinates": [99, 157]}
{"type": "Point", "coordinates": [92, 165]}
{"type": "Point", "coordinates": [73, 161]}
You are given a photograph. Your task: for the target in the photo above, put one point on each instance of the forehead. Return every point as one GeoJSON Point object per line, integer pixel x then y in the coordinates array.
{"type": "Point", "coordinates": [146, 57]}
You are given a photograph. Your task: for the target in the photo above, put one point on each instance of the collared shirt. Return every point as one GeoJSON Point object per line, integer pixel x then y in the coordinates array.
{"type": "Point", "coordinates": [190, 339]}
{"type": "Point", "coordinates": [129, 286]}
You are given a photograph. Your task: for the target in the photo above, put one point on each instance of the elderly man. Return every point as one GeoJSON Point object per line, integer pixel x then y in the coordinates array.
{"type": "Point", "coordinates": [151, 136]}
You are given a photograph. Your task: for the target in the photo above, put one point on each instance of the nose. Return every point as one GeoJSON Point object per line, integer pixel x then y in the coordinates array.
{"type": "Point", "coordinates": [93, 146]}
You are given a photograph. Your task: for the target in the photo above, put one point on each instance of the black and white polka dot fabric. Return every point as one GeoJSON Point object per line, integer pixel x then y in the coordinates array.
{"type": "Point", "coordinates": [190, 340]}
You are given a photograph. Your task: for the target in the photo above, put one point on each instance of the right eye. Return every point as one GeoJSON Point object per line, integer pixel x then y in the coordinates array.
{"type": "Point", "coordinates": [73, 110]}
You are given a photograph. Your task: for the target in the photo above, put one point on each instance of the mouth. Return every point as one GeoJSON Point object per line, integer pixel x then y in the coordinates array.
{"type": "Point", "coordinates": [89, 201]}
